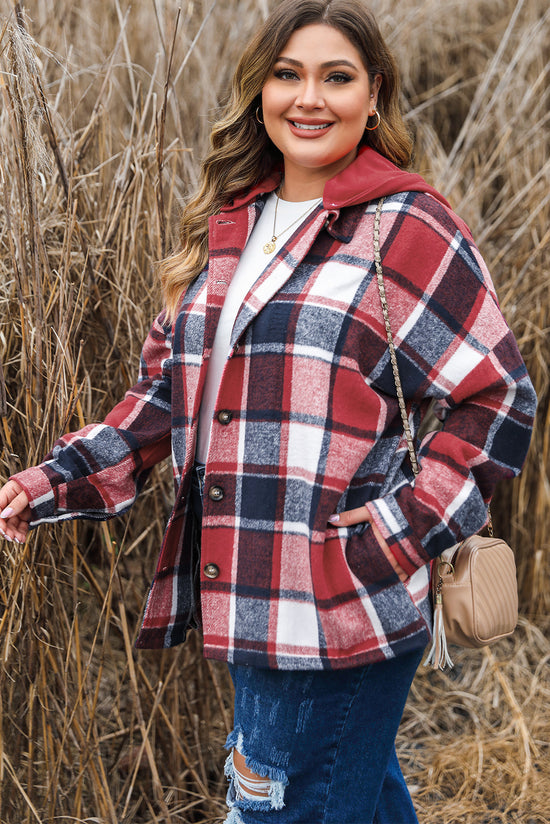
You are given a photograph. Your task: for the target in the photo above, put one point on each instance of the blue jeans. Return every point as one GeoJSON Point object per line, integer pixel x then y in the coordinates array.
{"type": "Point", "coordinates": [325, 740]}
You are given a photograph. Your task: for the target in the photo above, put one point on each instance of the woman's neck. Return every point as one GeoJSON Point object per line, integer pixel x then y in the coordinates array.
{"type": "Point", "coordinates": [298, 188]}
{"type": "Point", "coordinates": [301, 183]}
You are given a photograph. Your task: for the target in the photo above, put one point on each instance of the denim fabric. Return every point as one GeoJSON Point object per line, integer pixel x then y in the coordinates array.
{"type": "Point", "coordinates": [327, 742]}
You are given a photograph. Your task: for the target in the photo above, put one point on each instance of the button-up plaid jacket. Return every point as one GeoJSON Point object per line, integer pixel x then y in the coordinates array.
{"type": "Point", "coordinates": [307, 424]}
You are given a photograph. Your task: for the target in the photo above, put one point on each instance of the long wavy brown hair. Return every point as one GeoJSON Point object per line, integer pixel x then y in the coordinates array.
{"type": "Point", "coordinates": [241, 153]}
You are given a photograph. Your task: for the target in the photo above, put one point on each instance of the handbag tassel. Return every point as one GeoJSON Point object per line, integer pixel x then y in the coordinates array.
{"type": "Point", "coordinates": [438, 655]}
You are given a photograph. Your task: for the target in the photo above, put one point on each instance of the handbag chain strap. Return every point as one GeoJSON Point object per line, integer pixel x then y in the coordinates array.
{"type": "Point", "coordinates": [393, 356]}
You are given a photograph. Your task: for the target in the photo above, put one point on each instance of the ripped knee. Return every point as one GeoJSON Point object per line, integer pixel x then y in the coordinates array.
{"type": "Point", "coordinates": [252, 786]}
{"type": "Point", "coordinates": [249, 784]}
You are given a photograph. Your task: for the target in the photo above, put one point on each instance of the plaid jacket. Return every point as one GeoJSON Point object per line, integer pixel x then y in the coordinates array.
{"type": "Point", "coordinates": [307, 423]}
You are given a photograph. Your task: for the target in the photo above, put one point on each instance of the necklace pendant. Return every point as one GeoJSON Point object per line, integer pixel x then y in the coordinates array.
{"type": "Point", "coordinates": [269, 247]}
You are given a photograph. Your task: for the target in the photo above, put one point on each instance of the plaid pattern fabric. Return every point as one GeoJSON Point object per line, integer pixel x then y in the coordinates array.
{"type": "Point", "coordinates": [312, 426]}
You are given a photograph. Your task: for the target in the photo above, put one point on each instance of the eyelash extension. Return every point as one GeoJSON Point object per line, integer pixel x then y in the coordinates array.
{"type": "Point", "coordinates": [280, 73]}
{"type": "Point", "coordinates": [341, 77]}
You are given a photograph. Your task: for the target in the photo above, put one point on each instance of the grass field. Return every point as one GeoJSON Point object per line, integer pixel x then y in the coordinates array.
{"type": "Point", "coordinates": [105, 110]}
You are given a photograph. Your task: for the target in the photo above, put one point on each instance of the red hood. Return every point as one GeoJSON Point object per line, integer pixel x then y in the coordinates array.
{"type": "Point", "coordinates": [369, 177]}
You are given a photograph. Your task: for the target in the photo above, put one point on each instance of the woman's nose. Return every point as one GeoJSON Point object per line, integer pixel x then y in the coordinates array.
{"type": "Point", "coordinates": [310, 95]}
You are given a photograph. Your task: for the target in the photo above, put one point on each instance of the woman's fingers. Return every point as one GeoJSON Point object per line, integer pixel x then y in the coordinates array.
{"type": "Point", "coordinates": [13, 501]}
{"type": "Point", "coordinates": [14, 528]}
{"type": "Point", "coordinates": [350, 517]}
{"type": "Point", "coordinates": [357, 516]}
{"type": "Point", "coordinates": [14, 512]}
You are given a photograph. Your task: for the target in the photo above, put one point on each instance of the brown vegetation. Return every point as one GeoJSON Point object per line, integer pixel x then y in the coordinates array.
{"type": "Point", "coordinates": [105, 109]}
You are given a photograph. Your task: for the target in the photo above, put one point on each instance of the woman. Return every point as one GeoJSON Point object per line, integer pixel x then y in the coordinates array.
{"type": "Point", "coordinates": [268, 379]}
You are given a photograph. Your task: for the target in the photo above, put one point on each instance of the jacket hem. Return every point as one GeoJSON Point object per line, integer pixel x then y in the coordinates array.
{"type": "Point", "coordinates": [376, 654]}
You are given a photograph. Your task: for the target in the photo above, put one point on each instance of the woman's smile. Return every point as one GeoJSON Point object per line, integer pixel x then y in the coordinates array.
{"type": "Point", "coordinates": [309, 129]}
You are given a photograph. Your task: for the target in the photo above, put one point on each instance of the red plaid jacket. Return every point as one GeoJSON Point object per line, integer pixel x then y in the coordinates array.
{"type": "Point", "coordinates": [311, 426]}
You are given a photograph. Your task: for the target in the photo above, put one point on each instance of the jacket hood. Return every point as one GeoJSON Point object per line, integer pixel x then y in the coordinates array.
{"type": "Point", "coordinates": [372, 176]}
{"type": "Point", "coordinates": [369, 177]}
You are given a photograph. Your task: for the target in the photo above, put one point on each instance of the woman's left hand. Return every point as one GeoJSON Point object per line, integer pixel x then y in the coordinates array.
{"type": "Point", "coordinates": [350, 517]}
{"type": "Point", "coordinates": [361, 515]}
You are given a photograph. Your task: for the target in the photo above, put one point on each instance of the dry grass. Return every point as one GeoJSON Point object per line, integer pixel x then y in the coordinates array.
{"type": "Point", "coordinates": [104, 110]}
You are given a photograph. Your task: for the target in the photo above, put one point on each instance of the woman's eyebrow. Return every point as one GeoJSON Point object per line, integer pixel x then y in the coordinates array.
{"type": "Point", "coordinates": [327, 65]}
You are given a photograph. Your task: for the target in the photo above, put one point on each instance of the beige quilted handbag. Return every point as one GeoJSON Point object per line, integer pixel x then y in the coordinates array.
{"type": "Point", "coordinates": [474, 584]}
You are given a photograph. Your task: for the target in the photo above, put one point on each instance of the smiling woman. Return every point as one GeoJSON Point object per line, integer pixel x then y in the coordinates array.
{"type": "Point", "coordinates": [242, 152]}
{"type": "Point", "coordinates": [300, 538]}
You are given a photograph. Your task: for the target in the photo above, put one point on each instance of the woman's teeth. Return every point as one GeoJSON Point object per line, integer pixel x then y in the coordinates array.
{"type": "Point", "coordinates": [310, 127]}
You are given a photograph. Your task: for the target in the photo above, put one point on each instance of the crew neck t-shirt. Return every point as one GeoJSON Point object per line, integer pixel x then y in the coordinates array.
{"type": "Point", "coordinates": [252, 263]}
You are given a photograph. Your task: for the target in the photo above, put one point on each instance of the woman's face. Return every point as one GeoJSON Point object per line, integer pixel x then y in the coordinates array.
{"type": "Point", "coordinates": [316, 103]}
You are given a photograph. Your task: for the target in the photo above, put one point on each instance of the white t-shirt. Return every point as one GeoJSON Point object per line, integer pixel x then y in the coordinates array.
{"type": "Point", "coordinates": [252, 263]}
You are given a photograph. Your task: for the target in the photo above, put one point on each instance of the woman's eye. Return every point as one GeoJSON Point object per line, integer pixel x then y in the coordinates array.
{"type": "Point", "coordinates": [339, 77]}
{"type": "Point", "coordinates": [285, 74]}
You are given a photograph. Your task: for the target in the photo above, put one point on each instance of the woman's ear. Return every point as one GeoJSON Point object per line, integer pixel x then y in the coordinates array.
{"type": "Point", "coordinates": [374, 89]}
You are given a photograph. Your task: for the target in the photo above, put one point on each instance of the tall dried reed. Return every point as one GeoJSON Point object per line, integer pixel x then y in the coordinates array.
{"type": "Point", "coordinates": [105, 109]}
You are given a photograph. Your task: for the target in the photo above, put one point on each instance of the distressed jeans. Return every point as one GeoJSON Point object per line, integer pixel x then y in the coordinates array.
{"type": "Point", "coordinates": [325, 741]}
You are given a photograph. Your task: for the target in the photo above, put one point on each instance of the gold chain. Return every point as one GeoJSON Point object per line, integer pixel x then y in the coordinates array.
{"type": "Point", "coordinates": [269, 247]}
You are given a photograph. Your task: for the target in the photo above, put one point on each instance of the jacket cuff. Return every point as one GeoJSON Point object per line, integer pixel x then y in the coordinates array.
{"type": "Point", "coordinates": [38, 489]}
{"type": "Point", "coordinates": [402, 549]}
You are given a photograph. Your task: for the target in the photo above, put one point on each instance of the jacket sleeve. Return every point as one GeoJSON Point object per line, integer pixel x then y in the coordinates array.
{"type": "Point", "coordinates": [453, 346]}
{"type": "Point", "coordinates": [97, 472]}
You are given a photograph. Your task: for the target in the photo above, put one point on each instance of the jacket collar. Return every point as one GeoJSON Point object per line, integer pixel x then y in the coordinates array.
{"type": "Point", "coordinates": [369, 177]}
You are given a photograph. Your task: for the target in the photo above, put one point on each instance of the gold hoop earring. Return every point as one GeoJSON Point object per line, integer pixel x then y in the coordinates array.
{"type": "Point", "coordinates": [258, 118]}
{"type": "Point", "coordinates": [372, 128]}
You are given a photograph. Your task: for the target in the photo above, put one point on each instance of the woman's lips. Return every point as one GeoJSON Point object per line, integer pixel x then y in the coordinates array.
{"type": "Point", "coordinates": [309, 130]}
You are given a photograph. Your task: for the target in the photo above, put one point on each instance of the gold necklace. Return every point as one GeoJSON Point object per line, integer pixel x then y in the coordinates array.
{"type": "Point", "coordinates": [270, 246]}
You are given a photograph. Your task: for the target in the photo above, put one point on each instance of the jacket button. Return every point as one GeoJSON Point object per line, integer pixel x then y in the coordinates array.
{"type": "Point", "coordinates": [211, 570]}
{"type": "Point", "coordinates": [215, 493]}
{"type": "Point", "coordinates": [225, 417]}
